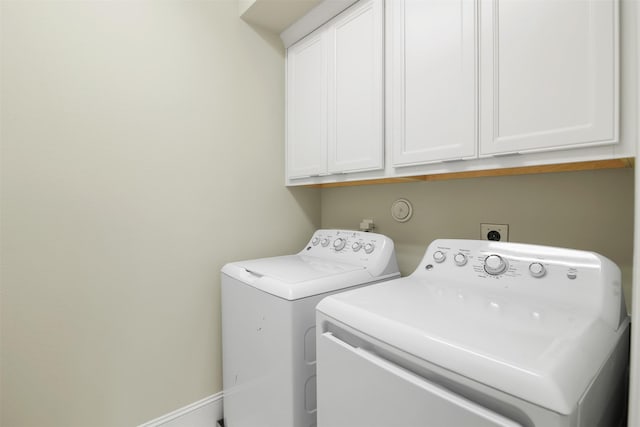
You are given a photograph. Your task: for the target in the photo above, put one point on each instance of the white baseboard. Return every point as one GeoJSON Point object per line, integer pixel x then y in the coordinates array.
{"type": "Point", "coordinates": [203, 413]}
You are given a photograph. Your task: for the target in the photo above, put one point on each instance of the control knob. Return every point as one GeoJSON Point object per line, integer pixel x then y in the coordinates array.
{"type": "Point", "coordinates": [439, 256]}
{"type": "Point", "coordinates": [369, 247]}
{"type": "Point", "coordinates": [315, 241]}
{"type": "Point", "coordinates": [495, 265]}
{"type": "Point", "coordinates": [339, 244]}
{"type": "Point", "coordinates": [537, 269]}
{"type": "Point", "coordinates": [324, 242]}
{"type": "Point", "coordinates": [356, 246]}
{"type": "Point", "coordinates": [460, 259]}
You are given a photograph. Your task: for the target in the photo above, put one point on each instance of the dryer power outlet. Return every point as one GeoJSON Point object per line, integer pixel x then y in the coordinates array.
{"type": "Point", "coordinates": [495, 232]}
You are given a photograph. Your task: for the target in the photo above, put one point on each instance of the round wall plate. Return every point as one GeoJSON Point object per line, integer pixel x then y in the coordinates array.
{"type": "Point", "coordinates": [401, 210]}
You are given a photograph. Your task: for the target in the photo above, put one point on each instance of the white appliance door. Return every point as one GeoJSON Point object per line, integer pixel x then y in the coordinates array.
{"type": "Point", "coordinates": [357, 388]}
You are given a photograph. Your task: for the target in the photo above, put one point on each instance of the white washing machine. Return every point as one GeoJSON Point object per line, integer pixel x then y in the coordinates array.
{"type": "Point", "coordinates": [481, 334]}
{"type": "Point", "coordinates": [268, 323]}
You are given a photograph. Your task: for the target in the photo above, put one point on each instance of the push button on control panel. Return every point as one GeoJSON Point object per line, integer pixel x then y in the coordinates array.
{"type": "Point", "coordinates": [460, 259]}
{"type": "Point", "coordinates": [537, 269]}
{"type": "Point", "coordinates": [439, 256]}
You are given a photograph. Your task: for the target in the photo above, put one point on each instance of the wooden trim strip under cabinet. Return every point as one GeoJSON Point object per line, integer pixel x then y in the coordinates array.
{"type": "Point", "coordinates": [523, 170]}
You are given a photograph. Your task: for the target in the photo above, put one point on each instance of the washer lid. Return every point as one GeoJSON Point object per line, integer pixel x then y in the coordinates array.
{"type": "Point", "coordinates": [298, 276]}
{"type": "Point", "coordinates": [541, 353]}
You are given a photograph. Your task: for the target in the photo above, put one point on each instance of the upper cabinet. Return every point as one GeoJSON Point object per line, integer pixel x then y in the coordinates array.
{"type": "Point", "coordinates": [528, 75]}
{"type": "Point", "coordinates": [335, 116]}
{"type": "Point", "coordinates": [432, 57]}
{"type": "Point", "coordinates": [549, 74]}
{"type": "Point", "coordinates": [469, 85]}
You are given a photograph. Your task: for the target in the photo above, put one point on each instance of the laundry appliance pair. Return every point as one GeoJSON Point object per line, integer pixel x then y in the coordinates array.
{"type": "Point", "coordinates": [481, 334]}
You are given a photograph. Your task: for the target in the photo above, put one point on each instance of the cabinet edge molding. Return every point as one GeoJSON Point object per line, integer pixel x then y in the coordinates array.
{"type": "Point", "coordinates": [628, 162]}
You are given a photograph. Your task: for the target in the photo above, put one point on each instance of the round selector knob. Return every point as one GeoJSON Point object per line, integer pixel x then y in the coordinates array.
{"type": "Point", "coordinates": [339, 244]}
{"type": "Point", "coordinates": [356, 246]}
{"type": "Point", "coordinates": [324, 242]}
{"type": "Point", "coordinates": [369, 247]}
{"type": "Point", "coordinates": [537, 269]}
{"type": "Point", "coordinates": [460, 259]}
{"type": "Point", "coordinates": [439, 256]}
{"type": "Point", "coordinates": [494, 265]}
{"type": "Point", "coordinates": [315, 241]}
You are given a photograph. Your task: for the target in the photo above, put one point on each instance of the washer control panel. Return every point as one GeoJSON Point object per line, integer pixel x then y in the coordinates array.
{"type": "Point", "coordinates": [512, 271]}
{"type": "Point", "coordinates": [352, 247]}
{"type": "Point", "coordinates": [345, 240]}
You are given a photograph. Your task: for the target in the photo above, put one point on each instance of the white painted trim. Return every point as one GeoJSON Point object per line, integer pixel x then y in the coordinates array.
{"type": "Point", "coordinates": [203, 413]}
{"type": "Point", "coordinates": [315, 18]}
{"type": "Point", "coordinates": [634, 382]}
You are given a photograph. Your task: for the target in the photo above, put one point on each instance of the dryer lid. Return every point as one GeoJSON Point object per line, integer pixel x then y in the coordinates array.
{"type": "Point", "coordinates": [542, 354]}
{"type": "Point", "coordinates": [298, 276]}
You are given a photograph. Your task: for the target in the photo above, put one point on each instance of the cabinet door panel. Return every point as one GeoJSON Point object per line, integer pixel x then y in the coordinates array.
{"type": "Point", "coordinates": [433, 82]}
{"type": "Point", "coordinates": [549, 74]}
{"type": "Point", "coordinates": [356, 90]}
{"type": "Point", "coordinates": [307, 107]}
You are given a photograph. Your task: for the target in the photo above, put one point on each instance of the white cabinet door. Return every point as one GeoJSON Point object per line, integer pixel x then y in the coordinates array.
{"type": "Point", "coordinates": [433, 80]}
{"type": "Point", "coordinates": [307, 106]}
{"type": "Point", "coordinates": [355, 122]}
{"type": "Point", "coordinates": [549, 74]}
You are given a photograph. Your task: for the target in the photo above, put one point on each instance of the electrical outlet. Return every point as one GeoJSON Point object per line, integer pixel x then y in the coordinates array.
{"type": "Point", "coordinates": [495, 232]}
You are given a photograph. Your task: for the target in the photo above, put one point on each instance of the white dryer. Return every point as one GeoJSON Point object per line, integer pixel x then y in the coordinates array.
{"type": "Point", "coordinates": [268, 323]}
{"type": "Point", "coordinates": [481, 334]}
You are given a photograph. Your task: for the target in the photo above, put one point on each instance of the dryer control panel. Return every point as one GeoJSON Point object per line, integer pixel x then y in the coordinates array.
{"type": "Point", "coordinates": [370, 250]}
{"type": "Point", "coordinates": [577, 280]}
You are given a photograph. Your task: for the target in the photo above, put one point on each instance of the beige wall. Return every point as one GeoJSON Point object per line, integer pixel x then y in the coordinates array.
{"type": "Point", "coordinates": [142, 148]}
{"type": "Point", "coordinates": [584, 210]}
